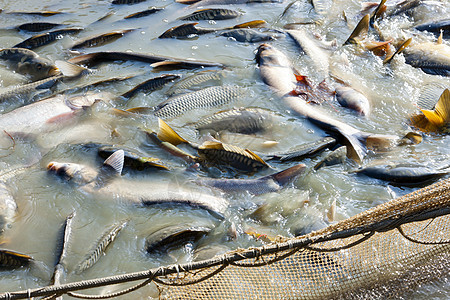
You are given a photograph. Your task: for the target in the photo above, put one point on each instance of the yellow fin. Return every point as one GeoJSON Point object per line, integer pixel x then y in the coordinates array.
{"type": "Point", "coordinates": [360, 30]}
{"type": "Point", "coordinates": [442, 108]}
{"type": "Point", "coordinates": [433, 117]}
{"type": "Point", "coordinates": [167, 134]}
{"type": "Point", "coordinates": [251, 24]}
{"type": "Point", "coordinates": [256, 157]}
{"type": "Point", "coordinates": [440, 39]}
{"type": "Point", "coordinates": [402, 47]}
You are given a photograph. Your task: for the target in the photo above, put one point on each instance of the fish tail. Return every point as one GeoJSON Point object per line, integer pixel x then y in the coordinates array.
{"type": "Point", "coordinates": [167, 134]}
{"type": "Point", "coordinates": [356, 148]}
{"type": "Point", "coordinates": [286, 176]}
{"type": "Point", "coordinates": [432, 120]}
{"type": "Point", "coordinates": [360, 30]}
{"type": "Point", "coordinates": [381, 8]}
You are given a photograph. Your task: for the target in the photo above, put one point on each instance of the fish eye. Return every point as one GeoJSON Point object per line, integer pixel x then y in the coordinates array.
{"type": "Point", "coordinates": [39, 66]}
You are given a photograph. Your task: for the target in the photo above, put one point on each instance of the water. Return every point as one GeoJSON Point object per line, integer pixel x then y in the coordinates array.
{"type": "Point", "coordinates": [44, 200]}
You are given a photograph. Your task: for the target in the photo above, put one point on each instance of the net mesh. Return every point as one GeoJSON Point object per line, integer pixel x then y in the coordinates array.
{"type": "Point", "coordinates": [382, 252]}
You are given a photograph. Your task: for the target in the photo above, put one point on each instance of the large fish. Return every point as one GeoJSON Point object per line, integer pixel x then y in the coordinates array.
{"type": "Point", "coordinates": [27, 62]}
{"type": "Point", "coordinates": [103, 184]}
{"type": "Point", "coordinates": [258, 186]}
{"type": "Point", "coordinates": [240, 120]}
{"type": "Point", "coordinates": [277, 72]}
{"type": "Point", "coordinates": [211, 14]}
{"type": "Point", "coordinates": [99, 57]}
{"type": "Point", "coordinates": [436, 27]}
{"type": "Point", "coordinates": [46, 38]}
{"type": "Point", "coordinates": [196, 81]}
{"type": "Point", "coordinates": [208, 97]}
{"type": "Point", "coordinates": [100, 40]}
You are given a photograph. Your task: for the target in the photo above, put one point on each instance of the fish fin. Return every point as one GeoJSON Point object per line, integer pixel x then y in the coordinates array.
{"type": "Point", "coordinates": [256, 157]}
{"type": "Point", "coordinates": [433, 117]}
{"type": "Point", "coordinates": [85, 59]}
{"type": "Point", "coordinates": [381, 8]}
{"type": "Point", "coordinates": [115, 161]}
{"type": "Point", "coordinates": [140, 110]}
{"type": "Point", "coordinates": [440, 39]}
{"type": "Point", "coordinates": [331, 214]}
{"type": "Point", "coordinates": [69, 69]}
{"type": "Point", "coordinates": [251, 24]}
{"type": "Point", "coordinates": [378, 48]}
{"type": "Point", "coordinates": [166, 63]}
{"type": "Point", "coordinates": [287, 175]}
{"type": "Point", "coordinates": [421, 122]}
{"type": "Point", "coordinates": [167, 134]}
{"type": "Point", "coordinates": [443, 106]}
{"type": "Point", "coordinates": [399, 50]}
{"type": "Point", "coordinates": [356, 149]}
{"type": "Point", "coordinates": [429, 95]}
{"type": "Point", "coordinates": [16, 254]}
{"type": "Point", "coordinates": [360, 30]}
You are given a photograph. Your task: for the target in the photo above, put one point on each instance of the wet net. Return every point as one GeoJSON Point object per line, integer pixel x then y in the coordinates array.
{"type": "Point", "coordinates": [384, 252]}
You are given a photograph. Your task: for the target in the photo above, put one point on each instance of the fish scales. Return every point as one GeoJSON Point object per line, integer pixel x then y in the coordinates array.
{"type": "Point", "coordinates": [243, 120]}
{"type": "Point", "coordinates": [151, 85]}
{"type": "Point", "coordinates": [37, 26]}
{"type": "Point", "coordinates": [105, 240]}
{"type": "Point", "coordinates": [196, 79]}
{"type": "Point", "coordinates": [212, 14]}
{"type": "Point", "coordinates": [27, 89]}
{"type": "Point", "coordinates": [43, 39]}
{"type": "Point", "coordinates": [208, 97]}
{"type": "Point", "coordinates": [11, 259]}
{"type": "Point", "coordinates": [101, 39]}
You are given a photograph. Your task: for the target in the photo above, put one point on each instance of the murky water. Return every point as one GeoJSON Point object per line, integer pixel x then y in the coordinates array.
{"type": "Point", "coordinates": [44, 201]}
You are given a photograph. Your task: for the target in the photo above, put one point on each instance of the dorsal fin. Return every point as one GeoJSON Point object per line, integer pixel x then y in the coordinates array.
{"type": "Point", "coordinates": [399, 50]}
{"type": "Point", "coordinates": [115, 161]}
{"type": "Point", "coordinates": [381, 8]}
{"type": "Point", "coordinates": [360, 30]}
{"type": "Point", "coordinates": [70, 70]}
{"type": "Point", "coordinates": [167, 134]}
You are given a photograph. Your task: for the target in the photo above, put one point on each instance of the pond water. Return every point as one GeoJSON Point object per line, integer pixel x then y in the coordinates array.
{"type": "Point", "coordinates": [44, 201]}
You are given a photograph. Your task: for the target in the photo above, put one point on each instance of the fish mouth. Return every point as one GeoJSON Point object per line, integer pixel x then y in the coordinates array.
{"type": "Point", "coordinates": [54, 71]}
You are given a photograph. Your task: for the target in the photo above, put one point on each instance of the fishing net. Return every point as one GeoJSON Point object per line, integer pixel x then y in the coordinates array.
{"type": "Point", "coordinates": [384, 252]}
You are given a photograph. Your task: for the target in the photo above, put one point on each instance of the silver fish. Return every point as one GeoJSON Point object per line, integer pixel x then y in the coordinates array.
{"type": "Point", "coordinates": [208, 97]}
{"type": "Point", "coordinates": [432, 58]}
{"type": "Point", "coordinates": [335, 157]}
{"type": "Point", "coordinates": [350, 98]}
{"type": "Point", "coordinates": [241, 120]}
{"type": "Point", "coordinates": [258, 186]}
{"type": "Point", "coordinates": [151, 85]}
{"type": "Point", "coordinates": [100, 247]}
{"type": "Point", "coordinates": [29, 91]}
{"type": "Point", "coordinates": [249, 35]}
{"type": "Point", "coordinates": [194, 81]}
{"type": "Point", "coordinates": [436, 27]}
{"type": "Point", "coordinates": [211, 14]}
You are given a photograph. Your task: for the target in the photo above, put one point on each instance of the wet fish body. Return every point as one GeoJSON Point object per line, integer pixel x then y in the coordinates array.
{"type": "Point", "coordinates": [8, 207]}
{"type": "Point", "coordinates": [98, 57]}
{"type": "Point", "coordinates": [436, 27]}
{"type": "Point", "coordinates": [350, 98]}
{"type": "Point", "coordinates": [151, 85]}
{"type": "Point", "coordinates": [248, 35]}
{"type": "Point", "coordinates": [431, 58]}
{"type": "Point", "coordinates": [403, 175]}
{"type": "Point", "coordinates": [29, 90]}
{"type": "Point", "coordinates": [127, 2]}
{"type": "Point", "coordinates": [61, 249]}
{"type": "Point", "coordinates": [208, 97]}
{"type": "Point", "coordinates": [37, 26]}
{"type": "Point", "coordinates": [211, 14]}
{"type": "Point", "coordinates": [102, 39]}
{"type": "Point", "coordinates": [46, 13]}
{"type": "Point", "coordinates": [100, 247]}
{"type": "Point", "coordinates": [174, 236]}
{"type": "Point", "coordinates": [185, 31]}
{"type": "Point", "coordinates": [258, 186]}
{"type": "Point", "coordinates": [12, 260]}
{"type": "Point", "coordinates": [304, 150]}
{"type": "Point", "coordinates": [27, 62]}
{"type": "Point", "coordinates": [199, 78]}
{"type": "Point", "coordinates": [144, 13]}
{"type": "Point", "coordinates": [43, 39]}
{"type": "Point", "coordinates": [337, 156]}
{"type": "Point", "coordinates": [226, 2]}
{"type": "Point", "coordinates": [133, 159]}
{"type": "Point", "coordinates": [242, 120]}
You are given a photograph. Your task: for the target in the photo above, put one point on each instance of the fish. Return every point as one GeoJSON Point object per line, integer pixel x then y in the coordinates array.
{"type": "Point", "coordinates": [100, 247]}
{"type": "Point", "coordinates": [335, 157]}
{"type": "Point", "coordinates": [172, 149]}
{"type": "Point", "coordinates": [249, 35]}
{"type": "Point", "coordinates": [128, 2]}
{"type": "Point", "coordinates": [38, 26]}
{"type": "Point", "coordinates": [190, 29]}
{"type": "Point", "coordinates": [150, 85]}
{"type": "Point", "coordinates": [318, 54]}
{"type": "Point", "coordinates": [360, 31]}
{"type": "Point", "coordinates": [29, 91]}
{"type": "Point", "coordinates": [211, 14]}
{"type": "Point", "coordinates": [429, 95]}
{"type": "Point", "coordinates": [132, 158]}
{"type": "Point", "coordinates": [12, 260]}
{"type": "Point", "coordinates": [28, 62]}
{"type": "Point", "coordinates": [8, 207]}
{"type": "Point", "coordinates": [42, 116]}
{"type": "Point", "coordinates": [216, 152]}
{"type": "Point", "coordinates": [431, 58]}
{"type": "Point", "coordinates": [105, 184]}
{"type": "Point", "coordinates": [304, 150]}
{"type": "Point", "coordinates": [61, 250]}
{"type": "Point", "coordinates": [198, 79]}
{"type": "Point", "coordinates": [257, 186]}
{"type": "Point", "coordinates": [435, 119]}
{"type": "Point", "coordinates": [403, 174]}
{"type": "Point", "coordinates": [205, 98]}
{"type": "Point", "coordinates": [241, 120]}
{"type": "Point", "coordinates": [94, 58]}
{"type": "Point", "coordinates": [174, 236]}
{"type": "Point", "coordinates": [231, 156]}
{"type": "Point", "coordinates": [436, 27]}
{"type": "Point", "coordinates": [101, 39]}
{"type": "Point", "coordinates": [45, 13]}
{"type": "Point", "coordinates": [352, 99]}
{"type": "Point", "coordinates": [46, 38]}
{"type": "Point", "coordinates": [226, 2]}
{"type": "Point", "coordinates": [143, 13]}
{"type": "Point", "coordinates": [277, 72]}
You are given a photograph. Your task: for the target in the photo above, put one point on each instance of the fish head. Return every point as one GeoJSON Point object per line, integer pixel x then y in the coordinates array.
{"type": "Point", "coordinates": [73, 172]}
{"type": "Point", "coordinates": [87, 100]}
{"type": "Point", "coordinates": [37, 67]}
{"type": "Point", "coordinates": [267, 55]}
